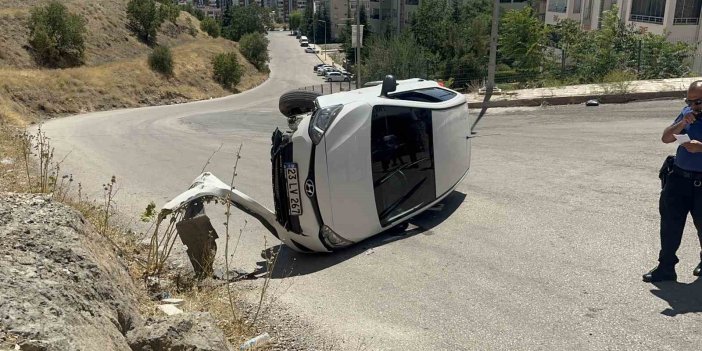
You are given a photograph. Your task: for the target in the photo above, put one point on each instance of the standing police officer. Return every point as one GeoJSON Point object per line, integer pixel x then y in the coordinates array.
{"type": "Point", "coordinates": [682, 192]}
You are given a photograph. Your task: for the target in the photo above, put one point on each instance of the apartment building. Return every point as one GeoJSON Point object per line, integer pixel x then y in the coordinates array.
{"type": "Point", "coordinates": [286, 7]}
{"type": "Point", "coordinates": [390, 15]}
{"type": "Point", "coordinates": [340, 12]}
{"type": "Point", "coordinates": [396, 15]}
{"type": "Point", "coordinates": [678, 19]}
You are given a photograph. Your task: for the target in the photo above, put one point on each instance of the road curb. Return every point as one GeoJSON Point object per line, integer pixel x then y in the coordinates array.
{"type": "Point", "coordinates": [579, 99]}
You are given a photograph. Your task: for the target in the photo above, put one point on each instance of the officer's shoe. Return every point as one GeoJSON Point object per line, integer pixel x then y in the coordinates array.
{"type": "Point", "coordinates": [698, 270]}
{"type": "Point", "coordinates": [660, 274]}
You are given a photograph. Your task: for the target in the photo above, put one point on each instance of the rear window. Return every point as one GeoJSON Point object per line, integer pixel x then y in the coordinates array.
{"type": "Point", "coordinates": [425, 95]}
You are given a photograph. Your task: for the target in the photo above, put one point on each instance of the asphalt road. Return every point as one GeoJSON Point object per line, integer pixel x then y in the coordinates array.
{"type": "Point", "coordinates": [541, 247]}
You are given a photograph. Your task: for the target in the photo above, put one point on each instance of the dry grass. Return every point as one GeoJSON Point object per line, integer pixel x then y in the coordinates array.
{"type": "Point", "coordinates": [11, 176]}
{"type": "Point", "coordinates": [128, 83]}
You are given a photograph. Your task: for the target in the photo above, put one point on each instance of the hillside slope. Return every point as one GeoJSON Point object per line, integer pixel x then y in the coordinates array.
{"type": "Point", "coordinates": [115, 74]}
{"type": "Point", "coordinates": [107, 40]}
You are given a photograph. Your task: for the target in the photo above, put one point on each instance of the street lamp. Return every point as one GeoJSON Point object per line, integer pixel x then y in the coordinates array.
{"type": "Point", "coordinates": [325, 39]}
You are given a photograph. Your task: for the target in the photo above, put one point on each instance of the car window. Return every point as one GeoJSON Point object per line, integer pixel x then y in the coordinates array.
{"type": "Point", "coordinates": [402, 160]}
{"type": "Point", "coordinates": [425, 95]}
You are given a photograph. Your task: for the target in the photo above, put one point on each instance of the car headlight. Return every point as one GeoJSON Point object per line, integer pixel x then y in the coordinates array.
{"type": "Point", "coordinates": [332, 239]}
{"type": "Point", "coordinates": [321, 120]}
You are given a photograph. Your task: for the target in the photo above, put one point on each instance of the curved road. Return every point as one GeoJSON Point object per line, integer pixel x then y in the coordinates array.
{"type": "Point", "coordinates": [545, 251]}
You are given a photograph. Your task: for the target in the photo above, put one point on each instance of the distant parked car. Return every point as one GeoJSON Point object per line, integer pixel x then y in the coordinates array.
{"type": "Point", "coordinates": [311, 49]}
{"type": "Point", "coordinates": [323, 70]}
{"type": "Point", "coordinates": [335, 76]}
{"type": "Point", "coordinates": [315, 67]}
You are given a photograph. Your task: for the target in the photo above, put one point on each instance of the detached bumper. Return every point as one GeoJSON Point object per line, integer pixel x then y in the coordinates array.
{"type": "Point", "coordinates": [207, 185]}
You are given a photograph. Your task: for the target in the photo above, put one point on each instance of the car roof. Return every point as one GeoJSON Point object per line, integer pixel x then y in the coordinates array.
{"type": "Point", "coordinates": [371, 95]}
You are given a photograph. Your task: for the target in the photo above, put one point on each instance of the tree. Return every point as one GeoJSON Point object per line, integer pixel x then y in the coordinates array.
{"type": "Point", "coordinates": [322, 26]}
{"type": "Point", "coordinates": [660, 58]}
{"type": "Point", "coordinates": [398, 55]}
{"type": "Point", "coordinates": [169, 11]}
{"type": "Point", "coordinates": [57, 36]}
{"type": "Point", "coordinates": [295, 20]}
{"type": "Point", "coordinates": [307, 21]}
{"type": "Point", "coordinates": [189, 8]}
{"type": "Point", "coordinates": [226, 70]}
{"type": "Point", "coordinates": [345, 35]}
{"type": "Point", "coordinates": [568, 36]}
{"type": "Point", "coordinates": [522, 40]}
{"type": "Point", "coordinates": [254, 46]}
{"type": "Point", "coordinates": [211, 27]}
{"type": "Point", "coordinates": [458, 36]}
{"type": "Point", "coordinates": [245, 19]}
{"type": "Point", "coordinates": [609, 48]}
{"type": "Point", "coordinates": [144, 19]}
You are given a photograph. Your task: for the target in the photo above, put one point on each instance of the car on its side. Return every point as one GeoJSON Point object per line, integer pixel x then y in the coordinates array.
{"type": "Point", "coordinates": [353, 164]}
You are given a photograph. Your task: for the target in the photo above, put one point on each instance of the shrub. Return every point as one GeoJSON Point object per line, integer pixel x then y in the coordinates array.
{"type": "Point", "coordinates": [254, 46]}
{"type": "Point", "coordinates": [57, 36]}
{"type": "Point", "coordinates": [210, 26]}
{"type": "Point", "coordinates": [144, 19]}
{"type": "Point", "coordinates": [189, 8]}
{"type": "Point", "coordinates": [227, 70]}
{"type": "Point", "coordinates": [617, 82]}
{"type": "Point", "coordinates": [161, 60]}
{"type": "Point", "coordinates": [169, 11]}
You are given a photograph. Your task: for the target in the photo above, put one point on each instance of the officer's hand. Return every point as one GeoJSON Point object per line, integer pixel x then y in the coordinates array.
{"type": "Point", "coordinates": [688, 119]}
{"type": "Point", "coordinates": [693, 146]}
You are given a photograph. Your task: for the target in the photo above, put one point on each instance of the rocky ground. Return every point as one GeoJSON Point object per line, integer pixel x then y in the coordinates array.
{"type": "Point", "coordinates": [63, 288]}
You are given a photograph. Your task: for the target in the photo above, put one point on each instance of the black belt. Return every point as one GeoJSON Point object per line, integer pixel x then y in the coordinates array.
{"type": "Point", "coordinates": [687, 174]}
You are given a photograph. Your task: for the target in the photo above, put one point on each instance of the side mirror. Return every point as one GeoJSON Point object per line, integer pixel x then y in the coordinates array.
{"type": "Point", "coordinates": [389, 85]}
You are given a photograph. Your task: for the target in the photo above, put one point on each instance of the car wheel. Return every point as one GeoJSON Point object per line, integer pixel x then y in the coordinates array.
{"type": "Point", "coordinates": [297, 102]}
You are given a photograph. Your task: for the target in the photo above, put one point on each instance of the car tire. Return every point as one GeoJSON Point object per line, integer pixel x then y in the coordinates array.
{"type": "Point", "coordinates": [297, 102]}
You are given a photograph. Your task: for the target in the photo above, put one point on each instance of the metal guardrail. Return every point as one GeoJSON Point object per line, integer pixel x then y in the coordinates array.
{"type": "Point", "coordinates": [646, 19]}
{"type": "Point", "coordinates": [330, 87]}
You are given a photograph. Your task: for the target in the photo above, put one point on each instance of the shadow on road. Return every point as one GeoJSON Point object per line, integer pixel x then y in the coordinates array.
{"type": "Point", "coordinates": [291, 263]}
{"type": "Point", "coordinates": [682, 298]}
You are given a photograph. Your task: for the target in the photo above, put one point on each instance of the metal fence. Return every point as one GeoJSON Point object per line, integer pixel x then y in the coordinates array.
{"type": "Point", "coordinates": [330, 87]}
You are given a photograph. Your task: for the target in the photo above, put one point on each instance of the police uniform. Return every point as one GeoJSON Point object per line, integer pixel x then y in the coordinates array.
{"type": "Point", "coordinates": [681, 194]}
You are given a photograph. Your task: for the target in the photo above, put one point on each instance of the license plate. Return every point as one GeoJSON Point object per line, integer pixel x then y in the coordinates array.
{"type": "Point", "coordinates": [292, 176]}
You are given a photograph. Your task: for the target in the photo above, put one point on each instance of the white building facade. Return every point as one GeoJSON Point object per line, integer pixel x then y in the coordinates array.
{"type": "Point", "coordinates": [679, 20]}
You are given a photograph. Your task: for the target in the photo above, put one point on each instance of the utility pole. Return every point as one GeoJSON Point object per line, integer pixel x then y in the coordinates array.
{"type": "Point", "coordinates": [490, 84]}
{"type": "Point", "coordinates": [492, 63]}
{"type": "Point", "coordinates": [325, 39]}
{"type": "Point", "coordinates": [358, 43]}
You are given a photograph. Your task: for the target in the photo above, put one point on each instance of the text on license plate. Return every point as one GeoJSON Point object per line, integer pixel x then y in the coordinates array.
{"type": "Point", "coordinates": [292, 176]}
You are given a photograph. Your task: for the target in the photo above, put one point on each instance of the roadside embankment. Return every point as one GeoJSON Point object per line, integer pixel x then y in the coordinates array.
{"type": "Point", "coordinates": [63, 287]}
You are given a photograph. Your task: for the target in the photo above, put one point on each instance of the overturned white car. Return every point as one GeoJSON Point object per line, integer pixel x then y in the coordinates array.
{"type": "Point", "coordinates": [356, 163]}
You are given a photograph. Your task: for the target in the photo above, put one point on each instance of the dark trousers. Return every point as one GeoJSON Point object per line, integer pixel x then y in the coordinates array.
{"type": "Point", "coordinates": [679, 197]}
